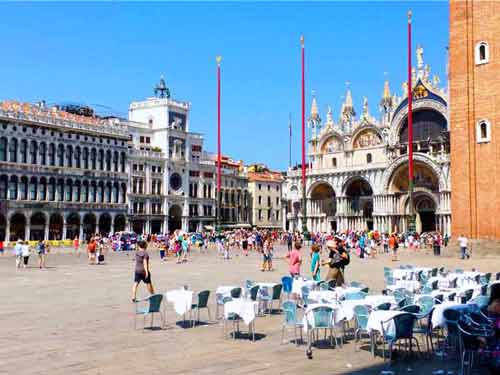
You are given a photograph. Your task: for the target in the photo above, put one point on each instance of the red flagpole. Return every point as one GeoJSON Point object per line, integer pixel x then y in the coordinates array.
{"type": "Point", "coordinates": [303, 117]}
{"type": "Point", "coordinates": [218, 59]}
{"type": "Point", "coordinates": [410, 104]}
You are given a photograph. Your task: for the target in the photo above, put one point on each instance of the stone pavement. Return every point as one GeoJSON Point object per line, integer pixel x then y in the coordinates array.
{"type": "Point", "coordinates": [78, 319]}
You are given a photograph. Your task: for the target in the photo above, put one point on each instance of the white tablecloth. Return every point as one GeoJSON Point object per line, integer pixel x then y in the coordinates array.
{"type": "Point", "coordinates": [299, 283]}
{"type": "Point", "coordinates": [341, 291]}
{"type": "Point", "coordinates": [244, 308]}
{"type": "Point", "coordinates": [410, 285]}
{"type": "Point", "coordinates": [323, 295]}
{"type": "Point", "coordinates": [182, 300]}
{"type": "Point", "coordinates": [225, 290]}
{"type": "Point", "coordinates": [266, 285]}
{"type": "Point", "coordinates": [409, 274]}
{"type": "Point", "coordinates": [377, 317]}
{"type": "Point", "coordinates": [372, 301]}
{"type": "Point", "coordinates": [437, 315]}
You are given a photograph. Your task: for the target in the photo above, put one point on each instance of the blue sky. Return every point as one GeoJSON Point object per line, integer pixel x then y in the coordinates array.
{"type": "Point", "coordinates": [112, 53]}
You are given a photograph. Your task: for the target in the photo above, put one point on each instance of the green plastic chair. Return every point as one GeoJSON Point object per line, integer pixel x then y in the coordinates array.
{"type": "Point", "coordinates": [361, 315]}
{"type": "Point", "coordinates": [201, 304]}
{"type": "Point", "coordinates": [153, 307]}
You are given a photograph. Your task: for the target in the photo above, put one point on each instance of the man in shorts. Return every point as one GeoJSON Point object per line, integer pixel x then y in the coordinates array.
{"type": "Point", "coordinates": [142, 272]}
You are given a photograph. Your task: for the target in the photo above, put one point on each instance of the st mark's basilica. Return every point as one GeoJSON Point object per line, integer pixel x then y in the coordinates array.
{"type": "Point", "coordinates": [357, 175]}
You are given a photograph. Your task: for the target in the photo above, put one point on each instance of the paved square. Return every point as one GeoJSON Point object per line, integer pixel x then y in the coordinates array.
{"type": "Point", "coordinates": [77, 319]}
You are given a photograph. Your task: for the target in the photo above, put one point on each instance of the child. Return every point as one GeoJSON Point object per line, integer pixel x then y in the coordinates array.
{"type": "Point", "coordinates": [315, 263]}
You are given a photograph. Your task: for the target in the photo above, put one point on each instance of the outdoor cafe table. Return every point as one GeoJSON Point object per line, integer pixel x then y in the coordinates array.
{"type": "Point", "coordinates": [410, 285]}
{"type": "Point", "coordinates": [299, 283]}
{"type": "Point", "coordinates": [243, 307]}
{"type": "Point", "coordinates": [182, 300]}
{"type": "Point", "coordinates": [225, 290]}
{"type": "Point", "coordinates": [372, 301]}
{"type": "Point", "coordinates": [328, 296]}
{"type": "Point", "coordinates": [375, 321]}
{"type": "Point", "coordinates": [409, 274]}
{"type": "Point", "coordinates": [438, 313]}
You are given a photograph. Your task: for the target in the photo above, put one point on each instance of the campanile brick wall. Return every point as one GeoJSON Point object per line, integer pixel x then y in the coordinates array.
{"type": "Point", "coordinates": [474, 95]}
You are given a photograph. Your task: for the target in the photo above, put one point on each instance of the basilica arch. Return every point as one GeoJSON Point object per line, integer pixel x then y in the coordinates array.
{"type": "Point", "coordinates": [322, 207]}
{"type": "Point", "coordinates": [358, 203]}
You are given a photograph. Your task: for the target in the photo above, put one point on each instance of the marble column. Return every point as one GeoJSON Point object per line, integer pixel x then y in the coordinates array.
{"type": "Point", "coordinates": [7, 230]}
{"type": "Point", "coordinates": [27, 230]}
{"type": "Point", "coordinates": [64, 230]}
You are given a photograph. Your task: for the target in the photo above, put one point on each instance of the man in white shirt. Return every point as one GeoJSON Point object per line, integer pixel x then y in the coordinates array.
{"type": "Point", "coordinates": [462, 241]}
{"type": "Point", "coordinates": [18, 250]}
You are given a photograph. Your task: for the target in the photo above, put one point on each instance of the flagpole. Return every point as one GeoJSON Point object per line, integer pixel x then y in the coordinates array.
{"type": "Point", "coordinates": [219, 193]}
{"type": "Point", "coordinates": [290, 140]}
{"type": "Point", "coordinates": [304, 209]}
{"type": "Point", "coordinates": [411, 218]}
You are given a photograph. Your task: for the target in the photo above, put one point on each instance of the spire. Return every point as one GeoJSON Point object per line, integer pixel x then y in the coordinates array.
{"type": "Point", "coordinates": [347, 112]}
{"type": "Point", "coordinates": [348, 98]}
{"type": "Point", "coordinates": [314, 109]}
{"type": "Point", "coordinates": [329, 116]}
{"type": "Point", "coordinates": [387, 90]}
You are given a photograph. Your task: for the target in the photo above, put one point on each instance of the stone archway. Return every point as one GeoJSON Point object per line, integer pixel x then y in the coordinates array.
{"type": "Point", "coordinates": [17, 226]}
{"type": "Point", "coordinates": [425, 209]}
{"type": "Point", "coordinates": [38, 221]}
{"type": "Point", "coordinates": [105, 224]}
{"type": "Point", "coordinates": [72, 225]}
{"type": "Point", "coordinates": [138, 226]}
{"type": "Point", "coordinates": [120, 223]}
{"type": "Point", "coordinates": [174, 218]}
{"type": "Point", "coordinates": [360, 203]}
{"type": "Point", "coordinates": [56, 223]}
{"type": "Point", "coordinates": [323, 207]}
{"type": "Point", "coordinates": [3, 227]}
{"type": "Point", "coordinates": [89, 225]}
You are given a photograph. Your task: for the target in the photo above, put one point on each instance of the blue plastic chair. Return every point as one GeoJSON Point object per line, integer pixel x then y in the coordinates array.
{"type": "Point", "coordinates": [322, 318]}
{"type": "Point", "coordinates": [291, 320]}
{"type": "Point", "coordinates": [354, 296]}
{"type": "Point", "coordinates": [305, 295]}
{"type": "Point", "coordinates": [361, 315]}
{"type": "Point", "coordinates": [264, 299]}
{"type": "Point", "coordinates": [403, 330]}
{"type": "Point", "coordinates": [153, 306]}
{"type": "Point", "coordinates": [287, 282]}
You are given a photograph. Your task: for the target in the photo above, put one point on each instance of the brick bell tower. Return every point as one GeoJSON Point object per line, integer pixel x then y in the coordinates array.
{"type": "Point", "coordinates": [474, 77]}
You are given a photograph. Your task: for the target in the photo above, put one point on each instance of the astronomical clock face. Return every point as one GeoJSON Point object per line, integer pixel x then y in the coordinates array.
{"type": "Point", "coordinates": [367, 139]}
{"type": "Point", "coordinates": [175, 181]}
{"type": "Point", "coordinates": [332, 145]}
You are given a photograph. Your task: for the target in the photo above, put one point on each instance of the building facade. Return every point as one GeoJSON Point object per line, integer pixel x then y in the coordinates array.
{"type": "Point", "coordinates": [357, 176]}
{"type": "Point", "coordinates": [475, 117]}
{"type": "Point", "coordinates": [265, 188]}
{"type": "Point", "coordinates": [63, 173]}
{"type": "Point", "coordinates": [235, 198]}
{"type": "Point", "coordinates": [178, 188]}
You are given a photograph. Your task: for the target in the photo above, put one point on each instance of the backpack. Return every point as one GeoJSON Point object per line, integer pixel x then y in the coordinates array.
{"type": "Point", "coordinates": [347, 260]}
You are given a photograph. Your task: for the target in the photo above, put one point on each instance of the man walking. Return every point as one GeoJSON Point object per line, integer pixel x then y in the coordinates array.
{"type": "Point", "coordinates": [462, 241]}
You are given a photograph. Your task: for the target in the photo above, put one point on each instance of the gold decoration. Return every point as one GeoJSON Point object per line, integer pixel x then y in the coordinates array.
{"type": "Point", "coordinates": [420, 92]}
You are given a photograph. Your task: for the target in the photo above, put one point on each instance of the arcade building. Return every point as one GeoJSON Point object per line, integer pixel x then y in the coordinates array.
{"type": "Point", "coordinates": [357, 175]}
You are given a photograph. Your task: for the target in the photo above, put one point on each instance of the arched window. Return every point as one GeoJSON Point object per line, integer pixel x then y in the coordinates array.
{"type": "Point", "coordinates": [122, 162]}
{"type": "Point", "coordinates": [42, 189]}
{"type": "Point", "coordinates": [85, 158]}
{"type": "Point", "coordinates": [93, 158]}
{"type": "Point", "coordinates": [85, 191]}
{"type": "Point", "coordinates": [13, 150]}
{"type": "Point", "coordinates": [33, 188]}
{"type": "Point", "coordinates": [124, 193]}
{"type": "Point", "coordinates": [13, 188]}
{"type": "Point", "coordinates": [33, 152]}
{"type": "Point", "coordinates": [69, 190]}
{"type": "Point", "coordinates": [52, 154]}
{"type": "Point", "coordinates": [115, 161]}
{"type": "Point", "coordinates": [482, 53]}
{"type": "Point", "coordinates": [116, 193]}
{"type": "Point", "coordinates": [60, 155]}
{"type": "Point", "coordinates": [24, 151]}
{"type": "Point", "coordinates": [108, 160]}
{"type": "Point", "coordinates": [51, 190]}
{"type": "Point", "coordinates": [368, 158]}
{"type": "Point", "coordinates": [334, 162]}
{"type": "Point", "coordinates": [76, 191]}
{"type": "Point", "coordinates": [60, 190]}
{"type": "Point", "coordinates": [24, 188]}
{"type": "Point", "coordinates": [92, 194]}
{"type": "Point", "coordinates": [3, 149]}
{"type": "Point", "coordinates": [43, 156]}
{"type": "Point", "coordinates": [100, 160]}
{"type": "Point", "coordinates": [3, 186]}
{"type": "Point", "coordinates": [108, 192]}
{"type": "Point", "coordinates": [69, 156]}
{"type": "Point", "coordinates": [100, 192]}
{"type": "Point", "coordinates": [77, 157]}
{"type": "Point", "coordinates": [483, 131]}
